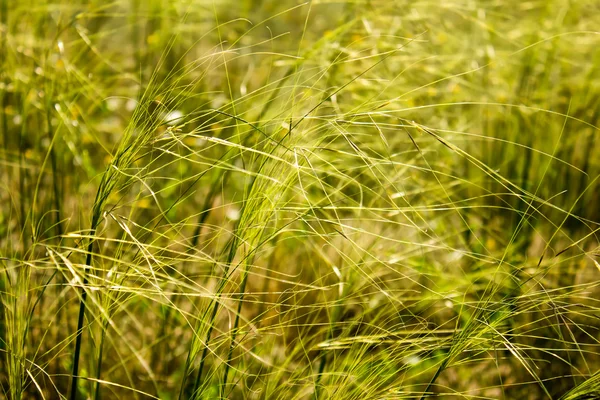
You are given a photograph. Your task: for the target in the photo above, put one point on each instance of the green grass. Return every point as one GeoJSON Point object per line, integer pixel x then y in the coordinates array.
{"type": "Point", "coordinates": [285, 200]}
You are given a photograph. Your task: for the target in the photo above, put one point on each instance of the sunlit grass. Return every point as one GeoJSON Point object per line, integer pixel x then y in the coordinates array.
{"type": "Point", "coordinates": [285, 200]}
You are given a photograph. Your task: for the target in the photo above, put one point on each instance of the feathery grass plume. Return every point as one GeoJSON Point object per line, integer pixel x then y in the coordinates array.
{"type": "Point", "coordinates": [120, 173]}
{"type": "Point", "coordinates": [317, 200]}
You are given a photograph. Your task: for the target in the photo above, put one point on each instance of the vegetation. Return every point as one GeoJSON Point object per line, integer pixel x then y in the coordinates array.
{"type": "Point", "coordinates": [238, 199]}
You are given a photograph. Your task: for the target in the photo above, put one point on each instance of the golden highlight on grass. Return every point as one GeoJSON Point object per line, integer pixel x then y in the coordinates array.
{"type": "Point", "coordinates": [207, 199]}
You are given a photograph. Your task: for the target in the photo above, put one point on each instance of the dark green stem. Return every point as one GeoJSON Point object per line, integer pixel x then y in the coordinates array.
{"type": "Point", "coordinates": [76, 355]}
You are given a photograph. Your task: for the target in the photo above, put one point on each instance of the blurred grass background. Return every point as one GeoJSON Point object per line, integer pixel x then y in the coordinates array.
{"type": "Point", "coordinates": [291, 200]}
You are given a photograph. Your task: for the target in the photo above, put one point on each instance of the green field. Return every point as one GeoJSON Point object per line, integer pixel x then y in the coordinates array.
{"type": "Point", "coordinates": [276, 199]}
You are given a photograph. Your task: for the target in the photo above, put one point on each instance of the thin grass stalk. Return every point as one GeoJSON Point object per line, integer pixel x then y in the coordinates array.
{"type": "Point", "coordinates": [124, 157]}
{"type": "Point", "coordinates": [81, 315]}
{"type": "Point", "coordinates": [323, 362]}
{"type": "Point", "coordinates": [248, 263]}
{"type": "Point", "coordinates": [22, 191]}
{"type": "Point", "coordinates": [17, 327]}
{"type": "Point", "coordinates": [235, 326]}
{"type": "Point", "coordinates": [195, 240]}
{"type": "Point", "coordinates": [57, 221]}
{"type": "Point", "coordinates": [232, 253]}
{"type": "Point", "coordinates": [213, 315]}
{"type": "Point", "coordinates": [99, 361]}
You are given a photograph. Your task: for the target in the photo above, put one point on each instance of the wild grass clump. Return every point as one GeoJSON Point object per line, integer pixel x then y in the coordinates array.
{"type": "Point", "coordinates": [271, 200]}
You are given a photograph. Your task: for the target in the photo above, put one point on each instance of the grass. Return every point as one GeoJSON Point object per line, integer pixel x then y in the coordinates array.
{"type": "Point", "coordinates": [287, 200]}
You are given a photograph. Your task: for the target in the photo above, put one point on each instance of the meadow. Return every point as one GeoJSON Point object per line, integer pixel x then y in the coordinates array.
{"type": "Point", "coordinates": [326, 199]}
